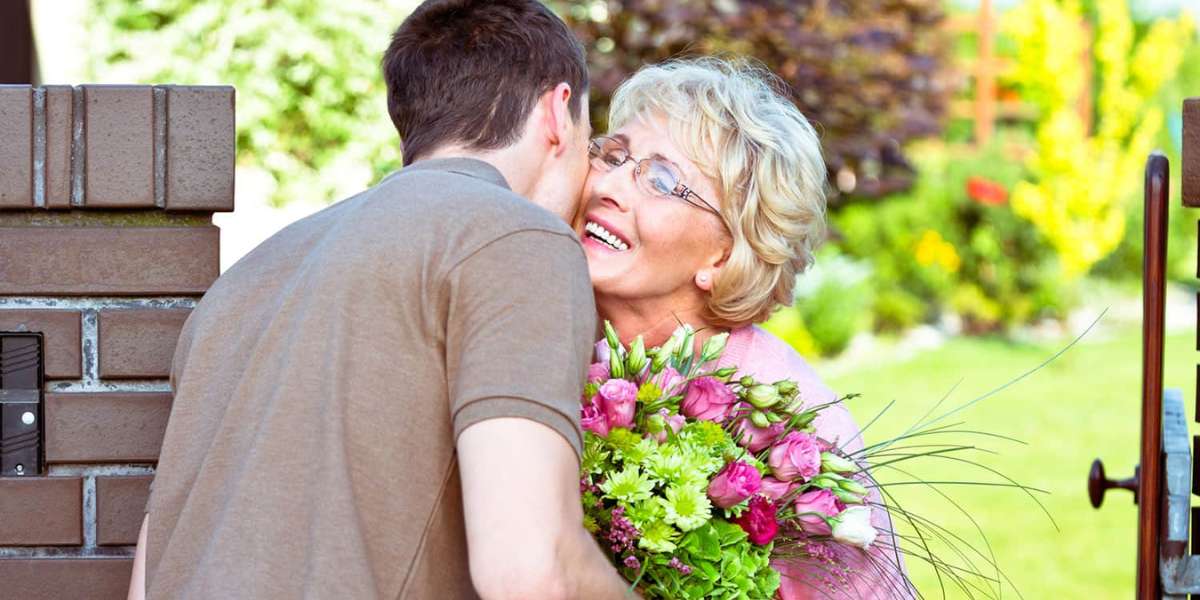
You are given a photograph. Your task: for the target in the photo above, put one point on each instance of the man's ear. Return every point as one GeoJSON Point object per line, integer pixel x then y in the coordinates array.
{"type": "Point", "coordinates": [557, 118]}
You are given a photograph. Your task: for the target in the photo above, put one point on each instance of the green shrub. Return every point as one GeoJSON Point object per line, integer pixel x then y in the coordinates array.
{"type": "Point", "coordinates": [832, 305]}
{"type": "Point", "coordinates": [312, 118]}
{"type": "Point", "coordinates": [954, 243]}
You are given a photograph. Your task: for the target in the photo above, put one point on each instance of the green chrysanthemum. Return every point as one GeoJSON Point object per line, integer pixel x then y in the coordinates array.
{"type": "Point", "coordinates": [700, 461]}
{"type": "Point", "coordinates": [707, 434]}
{"type": "Point", "coordinates": [668, 464]}
{"type": "Point", "coordinates": [640, 452]}
{"type": "Point", "coordinates": [659, 537]}
{"type": "Point", "coordinates": [649, 392]}
{"type": "Point", "coordinates": [623, 441]}
{"type": "Point", "coordinates": [595, 459]}
{"type": "Point", "coordinates": [686, 507]}
{"type": "Point", "coordinates": [628, 485]}
{"type": "Point", "coordinates": [645, 513]}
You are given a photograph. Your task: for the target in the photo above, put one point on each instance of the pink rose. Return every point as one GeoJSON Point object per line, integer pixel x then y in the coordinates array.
{"type": "Point", "coordinates": [817, 503]}
{"type": "Point", "coordinates": [753, 437]}
{"type": "Point", "coordinates": [774, 488]}
{"type": "Point", "coordinates": [797, 455]}
{"type": "Point", "coordinates": [675, 422]}
{"type": "Point", "coordinates": [593, 419]}
{"type": "Point", "coordinates": [736, 482]}
{"type": "Point", "coordinates": [707, 399]}
{"type": "Point", "coordinates": [619, 400]}
{"type": "Point", "coordinates": [598, 372]}
{"type": "Point", "coordinates": [759, 521]}
{"type": "Point", "coordinates": [669, 381]}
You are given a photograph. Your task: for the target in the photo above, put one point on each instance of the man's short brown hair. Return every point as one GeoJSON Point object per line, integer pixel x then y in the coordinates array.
{"type": "Point", "coordinates": [470, 72]}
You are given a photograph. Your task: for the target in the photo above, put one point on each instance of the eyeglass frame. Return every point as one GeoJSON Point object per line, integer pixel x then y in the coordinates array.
{"type": "Point", "coordinates": [681, 191]}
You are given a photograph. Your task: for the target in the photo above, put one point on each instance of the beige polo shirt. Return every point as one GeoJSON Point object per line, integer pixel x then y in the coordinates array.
{"type": "Point", "coordinates": [321, 383]}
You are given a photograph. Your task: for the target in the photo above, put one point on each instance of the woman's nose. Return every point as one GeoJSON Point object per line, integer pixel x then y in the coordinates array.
{"type": "Point", "coordinates": [616, 187]}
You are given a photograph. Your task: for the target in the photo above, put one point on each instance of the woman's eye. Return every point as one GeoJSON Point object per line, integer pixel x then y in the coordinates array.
{"type": "Point", "coordinates": [661, 180]}
{"type": "Point", "coordinates": [661, 185]}
{"type": "Point", "coordinates": [613, 160]}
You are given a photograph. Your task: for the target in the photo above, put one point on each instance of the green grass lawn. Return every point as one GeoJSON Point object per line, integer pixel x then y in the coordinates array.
{"type": "Point", "coordinates": [1082, 406]}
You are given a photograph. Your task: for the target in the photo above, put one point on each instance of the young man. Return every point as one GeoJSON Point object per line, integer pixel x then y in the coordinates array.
{"type": "Point", "coordinates": [381, 401]}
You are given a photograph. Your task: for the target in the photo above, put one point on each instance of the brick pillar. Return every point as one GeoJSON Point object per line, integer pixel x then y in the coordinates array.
{"type": "Point", "coordinates": [106, 244]}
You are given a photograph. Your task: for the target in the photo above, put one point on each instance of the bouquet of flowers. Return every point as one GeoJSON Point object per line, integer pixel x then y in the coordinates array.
{"type": "Point", "coordinates": [694, 478]}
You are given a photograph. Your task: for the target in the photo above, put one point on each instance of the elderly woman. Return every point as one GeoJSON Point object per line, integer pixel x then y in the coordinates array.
{"type": "Point", "coordinates": [704, 202]}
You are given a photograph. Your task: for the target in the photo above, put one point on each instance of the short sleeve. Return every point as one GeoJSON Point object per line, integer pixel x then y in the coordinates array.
{"type": "Point", "coordinates": [520, 323]}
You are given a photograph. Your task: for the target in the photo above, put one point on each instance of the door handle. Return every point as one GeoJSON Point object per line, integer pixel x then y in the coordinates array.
{"type": "Point", "coordinates": [1098, 483]}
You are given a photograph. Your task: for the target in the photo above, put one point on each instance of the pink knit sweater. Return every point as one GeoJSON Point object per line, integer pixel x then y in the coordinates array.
{"type": "Point", "coordinates": [877, 574]}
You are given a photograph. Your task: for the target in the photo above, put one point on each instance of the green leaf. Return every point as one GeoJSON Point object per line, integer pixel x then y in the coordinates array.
{"type": "Point", "coordinates": [730, 533]}
{"type": "Point", "coordinates": [704, 542]}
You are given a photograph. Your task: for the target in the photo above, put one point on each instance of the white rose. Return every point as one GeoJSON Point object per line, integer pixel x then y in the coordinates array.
{"type": "Point", "coordinates": [853, 526]}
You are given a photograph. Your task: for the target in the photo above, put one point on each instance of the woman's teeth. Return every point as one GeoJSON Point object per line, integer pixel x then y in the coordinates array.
{"type": "Point", "coordinates": [599, 233]}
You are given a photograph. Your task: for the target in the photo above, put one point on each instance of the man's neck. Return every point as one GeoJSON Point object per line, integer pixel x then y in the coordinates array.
{"type": "Point", "coordinates": [520, 178]}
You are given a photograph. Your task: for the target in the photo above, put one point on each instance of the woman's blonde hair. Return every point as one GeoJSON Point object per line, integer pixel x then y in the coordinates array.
{"type": "Point", "coordinates": [735, 123]}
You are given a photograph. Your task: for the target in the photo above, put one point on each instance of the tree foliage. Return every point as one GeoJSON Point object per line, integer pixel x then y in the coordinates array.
{"type": "Point", "coordinates": [312, 119]}
{"type": "Point", "coordinates": [868, 73]}
{"type": "Point", "coordinates": [1084, 180]}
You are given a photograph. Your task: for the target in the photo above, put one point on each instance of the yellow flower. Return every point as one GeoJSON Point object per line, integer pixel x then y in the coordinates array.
{"type": "Point", "coordinates": [932, 249]}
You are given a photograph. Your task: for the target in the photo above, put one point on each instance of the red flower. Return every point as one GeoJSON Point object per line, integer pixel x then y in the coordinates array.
{"type": "Point", "coordinates": [759, 521]}
{"type": "Point", "coordinates": [986, 191]}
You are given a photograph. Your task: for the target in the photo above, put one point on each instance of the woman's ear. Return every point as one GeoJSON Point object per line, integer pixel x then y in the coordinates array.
{"type": "Point", "coordinates": [707, 276]}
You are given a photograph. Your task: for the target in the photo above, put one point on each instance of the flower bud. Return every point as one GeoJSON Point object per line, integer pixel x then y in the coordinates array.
{"type": "Point", "coordinates": [837, 464]}
{"type": "Point", "coordinates": [616, 367]}
{"type": "Point", "coordinates": [824, 481]}
{"type": "Point", "coordinates": [637, 357]}
{"type": "Point", "coordinates": [847, 497]}
{"type": "Point", "coordinates": [786, 388]}
{"type": "Point", "coordinates": [774, 417]}
{"type": "Point", "coordinates": [760, 419]}
{"type": "Point", "coordinates": [763, 396]}
{"type": "Point", "coordinates": [852, 486]}
{"type": "Point", "coordinates": [746, 381]}
{"type": "Point", "coordinates": [651, 356]}
{"type": "Point", "coordinates": [659, 360]}
{"type": "Point", "coordinates": [713, 347]}
{"type": "Point", "coordinates": [656, 423]}
{"type": "Point", "coordinates": [687, 345]}
{"type": "Point", "coordinates": [853, 527]}
{"type": "Point", "coordinates": [614, 342]}
{"type": "Point", "coordinates": [725, 374]}
{"type": "Point", "coordinates": [804, 419]}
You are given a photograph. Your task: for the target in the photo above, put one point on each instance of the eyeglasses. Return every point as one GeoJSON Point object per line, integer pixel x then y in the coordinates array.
{"type": "Point", "coordinates": [654, 176]}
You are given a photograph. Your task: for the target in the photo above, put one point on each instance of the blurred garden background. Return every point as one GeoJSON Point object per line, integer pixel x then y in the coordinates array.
{"type": "Point", "coordinates": [985, 166]}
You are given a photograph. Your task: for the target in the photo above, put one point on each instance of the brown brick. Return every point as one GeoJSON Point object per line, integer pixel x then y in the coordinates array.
{"type": "Point", "coordinates": [16, 146]}
{"type": "Point", "coordinates": [105, 427]}
{"type": "Point", "coordinates": [1191, 152]}
{"type": "Point", "coordinates": [61, 329]}
{"type": "Point", "coordinates": [139, 343]}
{"type": "Point", "coordinates": [201, 147]}
{"type": "Point", "coordinates": [120, 505]}
{"type": "Point", "coordinates": [65, 578]}
{"type": "Point", "coordinates": [84, 261]}
{"type": "Point", "coordinates": [41, 511]}
{"type": "Point", "coordinates": [119, 142]}
{"type": "Point", "coordinates": [60, 115]}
